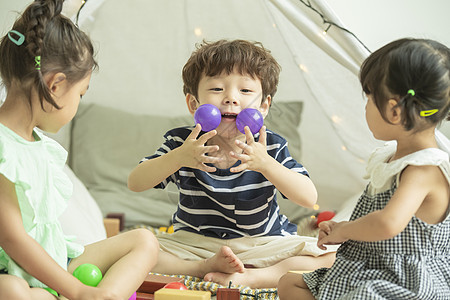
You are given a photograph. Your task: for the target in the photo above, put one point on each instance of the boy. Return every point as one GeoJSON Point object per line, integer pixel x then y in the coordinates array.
{"type": "Point", "coordinates": [227, 214]}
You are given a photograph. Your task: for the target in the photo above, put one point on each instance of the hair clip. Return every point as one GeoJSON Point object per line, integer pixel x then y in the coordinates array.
{"type": "Point", "coordinates": [427, 113]}
{"type": "Point", "coordinates": [37, 60]}
{"type": "Point", "coordinates": [411, 92]}
{"type": "Point", "coordinates": [19, 41]}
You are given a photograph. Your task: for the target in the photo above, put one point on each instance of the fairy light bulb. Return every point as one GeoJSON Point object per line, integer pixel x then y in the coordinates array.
{"type": "Point", "coordinates": [326, 30]}
{"type": "Point", "coordinates": [198, 31]}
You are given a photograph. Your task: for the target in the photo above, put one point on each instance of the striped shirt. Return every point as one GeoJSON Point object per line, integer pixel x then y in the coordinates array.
{"type": "Point", "coordinates": [228, 205]}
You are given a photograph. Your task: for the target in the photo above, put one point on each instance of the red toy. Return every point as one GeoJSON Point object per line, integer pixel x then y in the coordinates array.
{"type": "Point", "coordinates": [175, 285]}
{"type": "Point", "coordinates": [325, 216]}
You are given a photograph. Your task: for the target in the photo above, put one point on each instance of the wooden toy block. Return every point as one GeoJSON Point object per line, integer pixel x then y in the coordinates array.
{"type": "Point", "coordinates": [171, 294]}
{"type": "Point", "coordinates": [112, 226]}
{"type": "Point", "coordinates": [228, 294]}
{"type": "Point", "coordinates": [120, 217]}
{"type": "Point", "coordinates": [152, 283]}
{"type": "Point", "coordinates": [144, 296]}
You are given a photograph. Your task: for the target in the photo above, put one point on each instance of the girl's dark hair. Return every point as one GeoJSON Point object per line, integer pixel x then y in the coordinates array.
{"type": "Point", "coordinates": [61, 46]}
{"type": "Point", "coordinates": [250, 58]}
{"type": "Point", "coordinates": [407, 64]}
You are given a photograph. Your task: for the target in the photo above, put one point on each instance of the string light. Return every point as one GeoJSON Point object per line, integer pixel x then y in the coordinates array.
{"type": "Point", "coordinates": [198, 31]}
{"type": "Point", "coordinates": [336, 119]}
{"type": "Point", "coordinates": [303, 68]}
{"type": "Point", "coordinates": [330, 24]}
{"type": "Point", "coordinates": [83, 2]}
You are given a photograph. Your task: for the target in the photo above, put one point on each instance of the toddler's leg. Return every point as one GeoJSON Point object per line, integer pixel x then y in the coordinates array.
{"type": "Point", "coordinates": [292, 286]}
{"type": "Point", "coordinates": [12, 287]}
{"type": "Point", "coordinates": [268, 277]}
{"type": "Point", "coordinates": [125, 260]}
{"type": "Point", "coordinates": [224, 261]}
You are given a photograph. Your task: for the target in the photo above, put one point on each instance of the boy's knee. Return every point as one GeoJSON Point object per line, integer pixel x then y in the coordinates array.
{"type": "Point", "coordinates": [145, 239]}
{"type": "Point", "coordinates": [12, 287]}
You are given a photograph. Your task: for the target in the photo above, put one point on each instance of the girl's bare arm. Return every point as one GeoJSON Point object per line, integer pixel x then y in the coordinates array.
{"type": "Point", "coordinates": [417, 184]}
{"type": "Point", "coordinates": [24, 250]}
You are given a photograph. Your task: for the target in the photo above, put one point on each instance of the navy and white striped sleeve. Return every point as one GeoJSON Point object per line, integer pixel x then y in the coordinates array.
{"type": "Point", "coordinates": [172, 139]}
{"type": "Point", "coordinates": [277, 147]}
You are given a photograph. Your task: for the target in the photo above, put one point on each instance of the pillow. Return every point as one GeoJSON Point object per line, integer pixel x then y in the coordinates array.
{"type": "Point", "coordinates": [82, 217]}
{"type": "Point", "coordinates": [106, 144]}
{"type": "Point", "coordinates": [284, 119]}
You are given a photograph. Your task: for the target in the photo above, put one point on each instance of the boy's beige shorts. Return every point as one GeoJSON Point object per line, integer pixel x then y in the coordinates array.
{"type": "Point", "coordinates": [257, 251]}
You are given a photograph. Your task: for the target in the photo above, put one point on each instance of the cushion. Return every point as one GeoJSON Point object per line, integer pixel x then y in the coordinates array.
{"type": "Point", "coordinates": [106, 144]}
{"type": "Point", "coordinates": [82, 217]}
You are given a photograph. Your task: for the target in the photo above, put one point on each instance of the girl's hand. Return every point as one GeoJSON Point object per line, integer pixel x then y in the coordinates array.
{"type": "Point", "coordinates": [330, 233]}
{"type": "Point", "coordinates": [254, 154]}
{"type": "Point", "coordinates": [194, 150]}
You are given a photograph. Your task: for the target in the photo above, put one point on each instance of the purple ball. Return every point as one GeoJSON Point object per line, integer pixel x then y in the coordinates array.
{"type": "Point", "coordinates": [133, 297]}
{"type": "Point", "coordinates": [249, 117]}
{"type": "Point", "coordinates": [208, 116]}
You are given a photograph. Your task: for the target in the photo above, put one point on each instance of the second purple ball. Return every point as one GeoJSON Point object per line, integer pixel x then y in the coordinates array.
{"type": "Point", "coordinates": [249, 117]}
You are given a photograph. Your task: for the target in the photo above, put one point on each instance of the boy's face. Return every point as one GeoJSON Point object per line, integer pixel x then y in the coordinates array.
{"type": "Point", "coordinates": [231, 93]}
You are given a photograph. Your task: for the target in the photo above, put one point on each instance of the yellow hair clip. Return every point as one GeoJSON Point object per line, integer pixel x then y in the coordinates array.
{"type": "Point", "coordinates": [427, 113]}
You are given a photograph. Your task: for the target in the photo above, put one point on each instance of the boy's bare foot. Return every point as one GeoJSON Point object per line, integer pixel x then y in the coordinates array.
{"type": "Point", "coordinates": [247, 278]}
{"type": "Point", "coordinates": [224, 261]}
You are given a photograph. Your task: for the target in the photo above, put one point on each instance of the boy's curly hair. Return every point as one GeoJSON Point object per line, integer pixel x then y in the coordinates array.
{"type": "Point", "coordinates": [251, 58]}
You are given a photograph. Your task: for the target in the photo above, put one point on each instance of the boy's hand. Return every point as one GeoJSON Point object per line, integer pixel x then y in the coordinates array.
{"type": "Point", "coordinates": [254, 154]}
{"type": "Point", "coordinates": [330, 233]}
{"type": "Point", "coordinates": [193, 151]}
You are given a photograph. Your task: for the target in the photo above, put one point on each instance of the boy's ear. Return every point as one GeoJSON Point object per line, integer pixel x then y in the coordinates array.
{"type": "Point", "coordinates": [393, 112]}
{"type": "Point", "coordinates": [265, 105]}
{"type": "Point", "coordinates": [192, 103]}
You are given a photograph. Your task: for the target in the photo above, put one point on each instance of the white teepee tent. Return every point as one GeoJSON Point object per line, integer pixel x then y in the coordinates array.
{"type": "Point", "coordinates": [141, 54]}
{"type": "Point", "coordinates": [142, 46]}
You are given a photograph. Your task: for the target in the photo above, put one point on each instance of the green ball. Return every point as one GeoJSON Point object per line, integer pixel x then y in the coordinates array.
{"type": "Point", "coordinates": [88, 274]}
{"type": "Point", "coordinates": [51, 291]}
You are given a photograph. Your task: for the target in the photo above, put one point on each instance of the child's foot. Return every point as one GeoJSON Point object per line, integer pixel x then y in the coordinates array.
{"type": "Point", "coordinates": [245, 278]}
{"type": "Point", "coordinates": [255, 278]}
{"type": "Point", "coordinates": [224, 261]}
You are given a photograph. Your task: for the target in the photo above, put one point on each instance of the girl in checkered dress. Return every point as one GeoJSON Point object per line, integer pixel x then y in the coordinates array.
{"type": "Point", "coordinates": [396, 244]}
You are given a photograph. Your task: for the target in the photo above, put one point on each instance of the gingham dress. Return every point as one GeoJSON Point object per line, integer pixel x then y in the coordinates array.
{"type": "Point", "coordinates": [412, 265]}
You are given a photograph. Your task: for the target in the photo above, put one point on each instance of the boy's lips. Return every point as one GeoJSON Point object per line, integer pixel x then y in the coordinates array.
{"type": "Point", "coordinates": [229, 116]}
